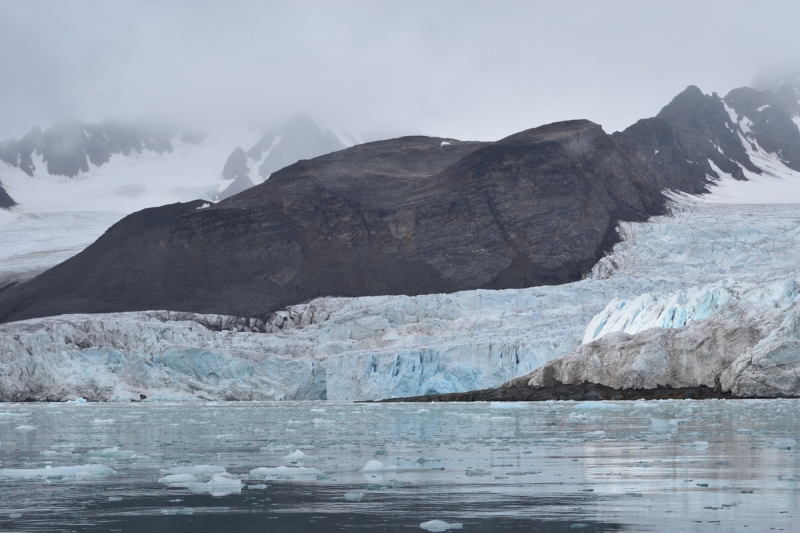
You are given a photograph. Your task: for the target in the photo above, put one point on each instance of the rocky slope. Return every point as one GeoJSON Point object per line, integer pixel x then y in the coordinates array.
{"type": "Point", "coordinates": [406, 216]}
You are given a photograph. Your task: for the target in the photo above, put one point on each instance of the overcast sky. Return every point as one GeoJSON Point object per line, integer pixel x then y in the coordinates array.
{"type": "Point", "coordinates": [470, 70]}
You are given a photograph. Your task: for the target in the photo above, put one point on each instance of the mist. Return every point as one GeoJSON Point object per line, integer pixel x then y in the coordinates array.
{"type": "Point", "coordinates": [463, 69]}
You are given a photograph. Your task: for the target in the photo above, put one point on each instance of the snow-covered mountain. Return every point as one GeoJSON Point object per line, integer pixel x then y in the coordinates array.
{"type": "Point", "coordinates": [68, 184]}
{"type": "Point", "coordinates": [706, 295]}
{"type": "Point", "coordinates": [300, 138]}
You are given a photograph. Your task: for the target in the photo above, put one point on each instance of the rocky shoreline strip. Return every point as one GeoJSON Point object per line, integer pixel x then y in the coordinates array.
{"type": "Point", "coordinates": [579, 392]}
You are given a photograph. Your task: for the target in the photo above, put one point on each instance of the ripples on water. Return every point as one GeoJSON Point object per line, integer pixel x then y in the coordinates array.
{"type": "Point", "coordinates": [553, 466]}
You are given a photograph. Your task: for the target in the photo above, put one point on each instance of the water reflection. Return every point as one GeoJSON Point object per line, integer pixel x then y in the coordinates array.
{"type": "Point", "coordinates": [655, 466]}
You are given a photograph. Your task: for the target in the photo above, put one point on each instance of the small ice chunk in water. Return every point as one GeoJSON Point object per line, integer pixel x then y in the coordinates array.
{"type": "Point", "coordinates": [220, 485]}
{"type": "Point", "coordinates": [260, 486]}
{"type": "Point", "coordinates": [440, 525]}
{"type": "Point", "coordinates": [784, 444]}
{"type": "Point", "coordinates": [507, 405]}
{"type": "Point", "coordinates": [179, 510]}
{"type": "Point", "coordinates": [600, 406]}
{"type": "Point", "coordinates": [353, 496]}
{"type": "Point", "coordinates": [294, 456]}
{"type": "Point", "coordinates": [700, 444]}
{"type": "Point", "coordinates": [113, 453]}
{"type": "Point", "coordinates": [282, 472]}
{"type": "Point", "coordinates": [373, 465]}
{"type": "Point", "coordinates": [15, 515]}
{"type": "Point", "coordinates": [662, 426]}
{"type": "Point", "coordinates": [102, 421]}
{"type": "Point", "coordinates": [25, 428]}
{"type": "Point", "coordinates": [77, 401]}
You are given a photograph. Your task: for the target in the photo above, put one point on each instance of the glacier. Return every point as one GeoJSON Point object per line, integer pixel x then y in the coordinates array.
{"type": "Point", "coordinates": [706, 294]}
{"type": "Point", "coordinates": [693, 262]}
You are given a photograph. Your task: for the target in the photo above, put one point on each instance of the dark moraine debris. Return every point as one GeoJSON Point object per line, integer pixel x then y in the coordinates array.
{"type": "Point", "coordinates": [582, 392]}
{"type": "Point", "coordinates": [414, 215]}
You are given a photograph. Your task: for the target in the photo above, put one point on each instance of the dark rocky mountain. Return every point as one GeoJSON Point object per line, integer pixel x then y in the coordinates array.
{"type": "Point", "coordinates": [5, 200]}
{"type": "Point", "coordinates": [413, 215]}
{"type": "Point", "coordinates": [405, 216]}
{"type": "Point", "coordinates": [704, 131]}
{"type": "Point", "coordinates": [68, 148]}
{"type": "Point", "coordinates": [300, 138]}
{"type": "Point", "coordinates": [771, 125]}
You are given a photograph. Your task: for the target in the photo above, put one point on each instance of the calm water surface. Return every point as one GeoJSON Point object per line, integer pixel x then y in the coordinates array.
{"type": "Point", "coordinates": [312, 467]}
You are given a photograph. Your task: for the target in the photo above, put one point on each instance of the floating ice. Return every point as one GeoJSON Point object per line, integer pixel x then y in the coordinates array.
{"type": "Point", "coordinates": [294, 456]}
{"type": "Point", "coordinates": [599, 406]}
{"type": "Point", "coordinates": [265, 473]}
{"type": "Point", "coordinates": [353, 496]}
{"type": "Point", "coordinates": [77, 401]}
{"type": "Point", "coordinates": [784, 444]}
{"type": "Point", "coordinates": [176, 511]}
{"type": "Point", "coordinates": [219, 485]}
{"type": "Point", "coordinates": [698, 444]}
{"type": "Point", "coordinates": [373, 465]}
{"type": "Point", "coordinates": [100, 421]}
{"type": "Point", "coordinates": [82, 471]}
{"type": "Point", "coordinates": [662, 426]}
{"type": "Point", "coordinates": [440, 525]}
{"type": "Point", "coordinates": [25, 428]}
{"type": "Point", "coordinates": [112, 453]}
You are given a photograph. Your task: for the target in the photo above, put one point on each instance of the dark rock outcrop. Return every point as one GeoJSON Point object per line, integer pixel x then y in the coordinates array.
{"type": "Point", "coordinates": [654, 142]}
{"type": "Point", "coordinates": [405, 216]}
{"type": "Point", "coordinates": [580, 392]}
{"type": "Point", "coordinates": [772, 126]}
{"type": "Point", "coordinates": [703, 129]}
{"type": "Point", "coordinates": [5, 200]}
{"type": "Point", "coordinates": [236, 165]}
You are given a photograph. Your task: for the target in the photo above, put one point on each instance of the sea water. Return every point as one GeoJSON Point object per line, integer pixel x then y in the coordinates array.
{"type": "Point", "coordinates": [324, 466]}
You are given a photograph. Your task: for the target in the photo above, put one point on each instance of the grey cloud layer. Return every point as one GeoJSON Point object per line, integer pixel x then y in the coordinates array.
{"type": "Point", "coordinates": [477, 70]}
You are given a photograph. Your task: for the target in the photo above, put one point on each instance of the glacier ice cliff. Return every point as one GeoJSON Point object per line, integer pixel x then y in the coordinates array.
{"type": "Point", "coordinates": [713, 287]}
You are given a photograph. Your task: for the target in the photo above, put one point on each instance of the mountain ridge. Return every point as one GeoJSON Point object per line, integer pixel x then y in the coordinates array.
{"type": "Point", "coordinates": [414, 215]}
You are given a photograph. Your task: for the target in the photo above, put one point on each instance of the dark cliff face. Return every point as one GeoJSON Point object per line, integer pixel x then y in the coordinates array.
{"type": "Point", "coordinates": [656, 146]}
{"type": "Point", "coordinates": [5, 200]}
{"type": "Point", "coordinates": [407, 216]}
{"type": "Point", "coordinates": [771, 126]}
{"type": "Point", "coordinates": [69, 147]}
{"type": "Point", "coordinates": [704, 132]}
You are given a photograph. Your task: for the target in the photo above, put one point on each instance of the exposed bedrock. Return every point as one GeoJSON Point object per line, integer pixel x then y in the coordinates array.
{"type": "Point", "coordinates": [405, 216]}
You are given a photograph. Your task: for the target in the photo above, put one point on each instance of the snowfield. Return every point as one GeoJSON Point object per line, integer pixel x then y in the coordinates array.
{"type": "Point", "coordinates": [58, 216]}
